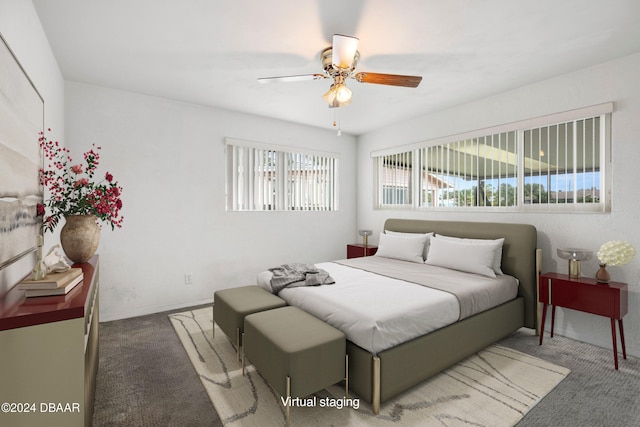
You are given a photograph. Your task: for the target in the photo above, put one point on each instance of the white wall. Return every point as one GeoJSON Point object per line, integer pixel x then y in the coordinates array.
{"type": "Point", "coordinates": [169, 158]}
{"type": "Point", "coordinates": [615, 81]}
{"type": "Point", "coordinates": [21, 28]}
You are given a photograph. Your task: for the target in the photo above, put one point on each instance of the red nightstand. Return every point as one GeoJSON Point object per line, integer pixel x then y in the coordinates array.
{"type": "Point", "coordinates": [587, 295]}
{"type": "Point", "coordinates": [357, 250]}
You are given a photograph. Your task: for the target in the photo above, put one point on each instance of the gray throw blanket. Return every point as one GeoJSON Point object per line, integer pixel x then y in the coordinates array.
{"type": "Point", "coordinates": [295, 275]}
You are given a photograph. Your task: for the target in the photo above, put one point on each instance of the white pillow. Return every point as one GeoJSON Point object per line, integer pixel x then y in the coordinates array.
{"type": "Point", "coordinates": [496, 245]}
{"type": "Point", "coordinates": [406, 248]}
{"type": "Point", "coordinates": [426, 244]}
{"type": "Point", "coordinates": [457, 255]}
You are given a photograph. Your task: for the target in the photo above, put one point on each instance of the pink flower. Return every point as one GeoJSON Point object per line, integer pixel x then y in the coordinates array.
{"type": "Point", "coordinates": [81, 183]}
{"type": "Point", "coordinates": [72, 190]}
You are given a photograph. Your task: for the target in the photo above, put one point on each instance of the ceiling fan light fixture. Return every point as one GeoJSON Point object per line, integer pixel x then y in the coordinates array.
{"type": "Point", "coordinates": [338, 104]}
{"type": "Point", "coordinates": [344, 50]}
{"type": "Point", "coordinates": [338, 95]}
{"type": "Point", "coordinates": [330, 96]}
{"type": "Point", "coordinates": [343, 94]}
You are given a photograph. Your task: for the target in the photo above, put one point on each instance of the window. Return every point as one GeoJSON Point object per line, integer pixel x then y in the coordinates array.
{"type": "Point", "coordinates": [263, 177]}
{"type": "Point", "coordinates": [396, 179]}
{"type": "Point", "coordinates": [472, 172]}
{"type": "Point", "coordinates": [554, 162]}
{"type": "Point", "coordinates": [563, 163]}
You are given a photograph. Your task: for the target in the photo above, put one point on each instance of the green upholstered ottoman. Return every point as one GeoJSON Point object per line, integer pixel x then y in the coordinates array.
{"type": "Point", "coordinates": [230, 306]}
{"type": "Point", "coordinates": [295, 352]}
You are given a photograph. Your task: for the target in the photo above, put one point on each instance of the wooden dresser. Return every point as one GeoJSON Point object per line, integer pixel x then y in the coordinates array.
{"type": "Point", "coordinates": [49, 355]}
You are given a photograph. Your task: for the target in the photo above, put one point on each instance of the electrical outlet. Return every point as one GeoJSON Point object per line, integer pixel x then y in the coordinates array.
{"type": "Point", "coordinates": [188, 278]}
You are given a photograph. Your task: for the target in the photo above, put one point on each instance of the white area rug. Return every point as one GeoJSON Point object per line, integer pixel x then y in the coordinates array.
{"type": "Point", "coordinates": [494, 387]}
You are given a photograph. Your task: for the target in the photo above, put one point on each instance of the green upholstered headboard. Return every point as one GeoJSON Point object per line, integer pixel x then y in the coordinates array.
{"type": "Point", "coordinates": [518, 252]}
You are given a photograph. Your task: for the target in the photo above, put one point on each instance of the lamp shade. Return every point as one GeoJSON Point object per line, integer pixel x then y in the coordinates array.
{"type": "Point", "coordinates": [575, 254]}
{"type": "Point", "coordinates": [344, 49]}
{"type": "Point", "coordinates": [343, 94]}
{"type": "Point", "coordinates": [330, 95]}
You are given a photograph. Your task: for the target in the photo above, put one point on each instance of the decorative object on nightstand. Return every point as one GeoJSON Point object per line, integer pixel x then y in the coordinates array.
{"type": "Point", "coordinates": [615, 252]}
{"type": "Point", "coordinates": [574, 256]}
{"type": "Point", "coordinates": [365, 234]}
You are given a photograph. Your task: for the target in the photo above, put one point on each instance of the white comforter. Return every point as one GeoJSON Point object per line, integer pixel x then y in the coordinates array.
{"type": "Point", "coordinates": [377, 312]}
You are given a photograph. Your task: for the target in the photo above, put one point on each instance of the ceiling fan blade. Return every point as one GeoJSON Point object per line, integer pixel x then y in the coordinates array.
{"type": "Point", "coordinates": [388, 79]}
{"type": "Point", "coordinates": [298, 78]}
{"type": "Point", "coordinates": [343, 50]}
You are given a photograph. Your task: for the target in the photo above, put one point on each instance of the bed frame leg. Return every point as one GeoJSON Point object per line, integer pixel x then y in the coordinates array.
{"type": "Point", "coordinates": [539, 324]}
{"type": "Point", "coordinates": [346, 376]}
{"type": "Point", "coordinates": [288, 407]}
{"type": "Point", "coordinates": [375, 397]}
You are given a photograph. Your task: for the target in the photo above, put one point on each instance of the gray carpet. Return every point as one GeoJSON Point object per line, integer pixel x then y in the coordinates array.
{"type": "Point", "coordinates": [594, 393]}
{"type": "Point", "coordinates": [146, 379]}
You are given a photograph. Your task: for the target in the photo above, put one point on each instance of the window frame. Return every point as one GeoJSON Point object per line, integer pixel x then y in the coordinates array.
{"type": "Point", "coordinates": [325, 167]}
{"type": "Point", "coordinates": [603, 111]}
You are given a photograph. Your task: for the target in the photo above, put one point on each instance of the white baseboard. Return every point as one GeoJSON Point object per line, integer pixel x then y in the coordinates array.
{"type": "Point", "coordinates": [107, 317]}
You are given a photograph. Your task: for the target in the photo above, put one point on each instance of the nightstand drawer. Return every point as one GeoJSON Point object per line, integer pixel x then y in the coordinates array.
{"type": "Point", "coordinates": [356, 250]}
{"type": "Point", "coordinates": [584, 294]}
{"type": "Point", "coordinates": [586, 298]}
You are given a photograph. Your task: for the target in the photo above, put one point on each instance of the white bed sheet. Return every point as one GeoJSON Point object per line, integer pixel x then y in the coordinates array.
{"type": "Point", "coordinates": [376, 312]}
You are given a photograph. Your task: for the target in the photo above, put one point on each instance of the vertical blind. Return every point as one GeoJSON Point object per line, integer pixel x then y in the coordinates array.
{"type": "Point", "coordinates": [545, 161]}
{"type": "Point", "coordinates": [396, 178]}
{"type": "Point", "coordinates": [564, 163]}
{"type": "Point", "coordinates": [472, 172]}
{"type": "Point", "coordinates": [266, 177]}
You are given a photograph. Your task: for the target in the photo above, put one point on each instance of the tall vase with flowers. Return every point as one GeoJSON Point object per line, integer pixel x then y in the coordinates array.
{"type": "Point", "coordinates": [79, 195]}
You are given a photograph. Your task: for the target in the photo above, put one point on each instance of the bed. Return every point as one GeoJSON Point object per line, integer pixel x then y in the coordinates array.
{"type": "Point", "coordinates": [380, 369]}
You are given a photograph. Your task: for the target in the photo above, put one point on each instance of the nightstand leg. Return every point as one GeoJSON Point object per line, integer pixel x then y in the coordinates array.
{"type": "Point", "coordinates": [621, 328]}
{"type": "Point", "coordinates": [553, 318]}
{"type": "Point", "coordinates": [615, 344]}
{"type": "Point", "coordinates": [544, 315]}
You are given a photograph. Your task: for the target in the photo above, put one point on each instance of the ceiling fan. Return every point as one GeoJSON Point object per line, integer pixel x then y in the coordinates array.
{"type": "Point", "coordinates": [339, 63]}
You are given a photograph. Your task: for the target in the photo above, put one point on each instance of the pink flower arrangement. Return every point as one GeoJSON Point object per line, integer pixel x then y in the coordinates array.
{"type": "Point", "coordinates": [72, 187]}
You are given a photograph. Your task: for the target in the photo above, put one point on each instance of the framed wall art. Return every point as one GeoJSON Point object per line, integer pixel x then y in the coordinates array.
{"type": "Point", "coordinates": [21, 118]}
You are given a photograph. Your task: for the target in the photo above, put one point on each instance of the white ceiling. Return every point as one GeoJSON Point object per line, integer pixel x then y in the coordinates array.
{"type": "Point", "coordinates": [211, 52]}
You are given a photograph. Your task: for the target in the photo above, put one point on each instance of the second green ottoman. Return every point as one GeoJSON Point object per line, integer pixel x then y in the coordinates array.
{"type": "Point", "coordinates": [296, 353]}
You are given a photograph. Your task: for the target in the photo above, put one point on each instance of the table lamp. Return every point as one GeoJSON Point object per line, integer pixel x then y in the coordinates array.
{"type": "Point", "coordinates": [365, 234]}
{"type": "Point", "coordinates": [574, 256]}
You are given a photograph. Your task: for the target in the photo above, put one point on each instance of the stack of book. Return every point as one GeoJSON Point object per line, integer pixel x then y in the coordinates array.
{"type": "Point", "coordinates": [52, 284]}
